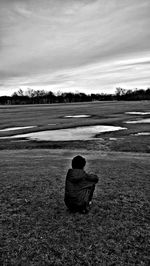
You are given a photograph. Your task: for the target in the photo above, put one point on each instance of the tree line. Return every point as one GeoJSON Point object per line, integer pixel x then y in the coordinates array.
{"type": "Point", "coordinates": [31, 96]}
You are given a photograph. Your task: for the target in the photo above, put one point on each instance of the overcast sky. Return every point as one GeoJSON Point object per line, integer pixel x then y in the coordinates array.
{"type": "Point", "coordinates": [74, 45]}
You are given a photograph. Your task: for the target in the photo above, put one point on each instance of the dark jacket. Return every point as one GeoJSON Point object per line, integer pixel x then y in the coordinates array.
{"type": "Point", "coordinates": [78, 183]}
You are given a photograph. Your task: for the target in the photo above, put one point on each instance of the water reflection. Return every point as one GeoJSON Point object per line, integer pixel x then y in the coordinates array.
{"type": "Point", "coordinates": [15, 128]}
{"type": "Point", "coordinates": [78, 133]}
{"type": "Point", "coordinates": [143, 134]}
{"type": "Point", "coordinates": [77, 116]}
{"type": "Point", "coordinates": [146, 120]}
{"type": "Point", "coordinates": [138, 113]}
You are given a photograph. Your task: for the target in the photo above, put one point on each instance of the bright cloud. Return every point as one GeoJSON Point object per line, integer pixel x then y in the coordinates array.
{"type": "Point", "coordinates": [86, 45]}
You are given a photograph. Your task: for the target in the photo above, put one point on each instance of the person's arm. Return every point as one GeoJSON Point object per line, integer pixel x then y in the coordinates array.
{"type": "Point", "coordinates": [92, 177]}
{"type": "Point", "coordinates": [74, 178]}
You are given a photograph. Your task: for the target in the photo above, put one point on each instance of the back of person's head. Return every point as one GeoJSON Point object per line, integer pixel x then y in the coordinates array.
{"type": "Point", "coordinates": [78, 162]}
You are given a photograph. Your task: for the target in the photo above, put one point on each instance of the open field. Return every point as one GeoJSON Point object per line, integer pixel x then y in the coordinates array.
{"type": "Point", "coordinates": [36, 228]}
{"type": "Point", "coordinates": [50, 117]}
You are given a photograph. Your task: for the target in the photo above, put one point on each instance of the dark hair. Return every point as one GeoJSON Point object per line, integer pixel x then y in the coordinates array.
{"type": "Point", "coordinates": [78, 162]}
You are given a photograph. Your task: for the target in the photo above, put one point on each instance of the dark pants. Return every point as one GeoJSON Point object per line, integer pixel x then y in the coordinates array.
{"type": "Point", "coordinates": [91, 192]}
{"type": "Point", "coordinates": [84, 207]}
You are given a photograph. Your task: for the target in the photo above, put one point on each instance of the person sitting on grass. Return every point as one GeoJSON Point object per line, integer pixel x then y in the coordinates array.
{"type": "Point", "coordinates": [79, 186]}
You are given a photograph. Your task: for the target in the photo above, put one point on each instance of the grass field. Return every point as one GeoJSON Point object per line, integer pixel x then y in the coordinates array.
{"type": "Point", "coordinates": [36, 228]}
{"type": "Point", "coordinates": [49, 117]}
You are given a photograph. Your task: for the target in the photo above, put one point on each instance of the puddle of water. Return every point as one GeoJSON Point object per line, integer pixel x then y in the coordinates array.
{"type": "Point", "coordinates": [138, 113]}
{"type": "Point", "coordinates": [146, 120]}
{"type": "Point", "coordinates": [22, 140]}
{"type": "Point", "coordinates": [15, 128]}
{"type": "Point", "coordinates": [77, 116]}
{"type": "Point", "coordinates": [78, 133]}
{"type": "Point", "coordinates": [142, 134]}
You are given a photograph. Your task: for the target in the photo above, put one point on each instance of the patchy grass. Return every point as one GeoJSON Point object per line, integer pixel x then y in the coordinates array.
{"type": "Point", "coordinates": [131, 144]}
{"type": "Point", "coordinates": [89, 145]}
{"type": "Point", "coordinates": [102, 113]}
{"type": "Point", "coordinates": [37, 229]}
{"type": "Point", "coordinates": [125, 144]}
{"type": "Point", "coordinates": [41, 115]}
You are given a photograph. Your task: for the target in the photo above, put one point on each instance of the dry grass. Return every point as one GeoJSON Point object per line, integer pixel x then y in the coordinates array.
{"type": "Point", "coordinates": [102, 113]}
{"type": "Point", "coordinates": [38, 230]}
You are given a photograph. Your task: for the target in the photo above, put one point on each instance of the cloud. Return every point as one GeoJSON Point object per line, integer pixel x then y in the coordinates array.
{"type": "Point", "coordinates": [49, 38]}
{"type": "Point", "coordinates": [103, 77]}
